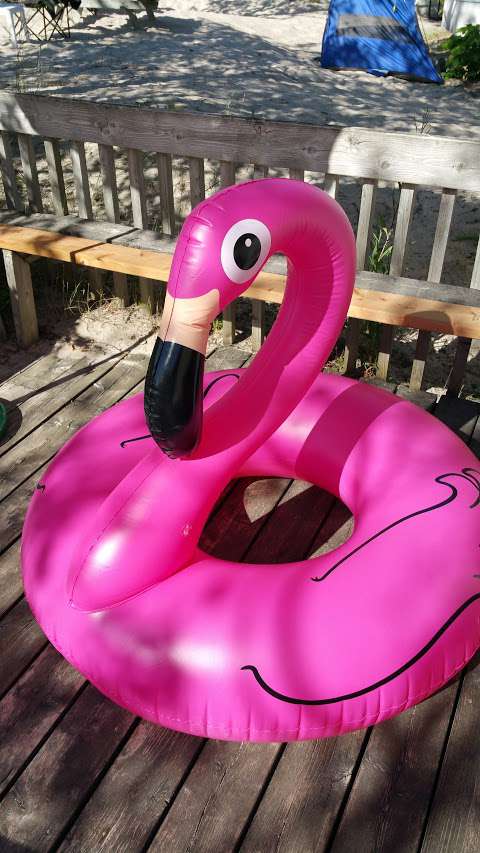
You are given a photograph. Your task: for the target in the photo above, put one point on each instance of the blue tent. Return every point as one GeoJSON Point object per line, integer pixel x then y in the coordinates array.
{"type": "Point", "coordinates": [379, 36]}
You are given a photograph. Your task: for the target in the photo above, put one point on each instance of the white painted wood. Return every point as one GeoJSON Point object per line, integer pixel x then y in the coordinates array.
{"type": "Point", "coordinates": [19, 282]}
{"type": "Point", "coordinates": [12, 196]}
{"type": "Point", "coordinates": [30, 173]}
{"type": "Point", "coordinates": [55, 171]}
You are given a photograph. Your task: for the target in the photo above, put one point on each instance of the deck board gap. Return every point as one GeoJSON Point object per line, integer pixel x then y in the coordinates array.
{"type": "Point", "coordinates": [96, 782]}
{"type": "Point", "coordinates": [348, 791]}
{"type": "Point", "coordinates": [281, 751]}
{"type": "Point", "coordinates": [174, 795]}
{"type": "Point", "coordinates": [23, 766]}
{"type": "Point", "coordinates": [440, 763]}
{"type": "Point", "coordinates": [23, 670]}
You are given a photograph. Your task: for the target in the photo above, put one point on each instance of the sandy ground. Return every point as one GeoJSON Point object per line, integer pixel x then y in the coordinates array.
{"type": "Point", "coordinates": [255, 57]}
{"type": "Point", "coordinates": [245, 57]}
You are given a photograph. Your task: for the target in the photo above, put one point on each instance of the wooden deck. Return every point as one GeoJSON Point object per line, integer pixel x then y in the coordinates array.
{"type": "Point", "coordinates": [79, 773]}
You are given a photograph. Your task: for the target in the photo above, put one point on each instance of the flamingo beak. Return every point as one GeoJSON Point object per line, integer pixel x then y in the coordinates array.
{"type": "Point", "coordinates": [174, 382]}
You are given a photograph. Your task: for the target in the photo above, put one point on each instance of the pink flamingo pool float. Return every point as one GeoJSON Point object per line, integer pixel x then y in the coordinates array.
{"type": "Point", "coordinates": [111, 563]}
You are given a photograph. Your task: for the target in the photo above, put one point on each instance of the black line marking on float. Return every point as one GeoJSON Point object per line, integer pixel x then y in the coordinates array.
{"type": "Point", "coordinates": [131, 440]}
{"type": "Point", "coordinates": [40, 487]}
{"type": "Point", "coordinates": [207, 389]}
{"type": "Point", "coordinates": [290, 699]}
{"type": "Point", "coordinates": [467, 474]}
{"type": "Point", "coordinates": [214, 381]}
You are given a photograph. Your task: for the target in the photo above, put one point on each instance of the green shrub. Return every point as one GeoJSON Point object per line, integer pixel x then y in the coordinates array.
{"type": "Point", "coordinates": [463, 62]}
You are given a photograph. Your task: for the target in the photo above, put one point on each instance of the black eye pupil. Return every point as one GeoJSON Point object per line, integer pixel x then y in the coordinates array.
{"type": "Point", "coordinates": [246, 251]}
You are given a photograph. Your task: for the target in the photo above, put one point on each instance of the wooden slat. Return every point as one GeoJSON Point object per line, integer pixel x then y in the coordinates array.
{"type": "Point", "coordinates": [109, 182]}
{"type": "Point", "coordinates": [354, 152]}
{"type": "Point", "coordinates": [197, 180]}
{"type": "Point", "coordinates": [475, 282]}
{"type": "Point", "coordinates": [457, 373]}
{"type": "Point", "coordinates": [227, 178]}
{"type": "Point", "coordinates": [165, 178]}
{"type": "Point", "coordinates": [364, 231]}
{"type": "Point", "coordinates": [227, 173]}
{"type": "Point", "coordinates": [259, 172]}
{"type": "Point", "coordinates": [112, 209]}
{"type": "Point", "coordinates": [80, 178]}
{"type": "Point", "coordinates": [140, 218]}
{"type": "Point", "coordinates": [394, 300]}
{"type": "Point", "coordinates": [12, 196]}
{"type": "Point", "coordinates": [437, 258]}
{"type": "Point", "coordinates": [19, 280]}
{"type": "Point", "coordinates": [330, 184]}
{"type": "Point", "coordinates": [404, 215]}
{"type": "Point", "coordinates": [258, 324]}
{"type": "Point", "coordinates": [55, 171]}
{"type": "Point", "coordinates": [30, 173]}
{"type": "Point", "coordinates": [296, 174]}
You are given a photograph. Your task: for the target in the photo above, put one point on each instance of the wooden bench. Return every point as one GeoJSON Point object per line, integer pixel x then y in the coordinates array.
{"type": "Point", "coordinates": [373, 158]}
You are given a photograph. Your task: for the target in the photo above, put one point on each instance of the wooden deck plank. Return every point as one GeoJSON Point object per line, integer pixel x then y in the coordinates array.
{"type": "Point", "coordinates": [31, 708]}
{"type": "Point", "coordinates": [392, 789]}
{"type": "Point", "coordinates": [221, 795]}
{"type": "Point", "coordinates": [139, 786]}
{"type": "Point", "coordinates": [10, 581]}
{"type": "Point", "coordinates": [217, 797]}
{"type": "Point", "coordinates": [454, 821]}
{"type": "Point", "coordinates": [40, 803]}
{"type": "Point", "coordinates": [301, 803]}
{"type": "Point", "coordinates": [21, 639]}
{"type": "Point", "coordinates": [31, 454]}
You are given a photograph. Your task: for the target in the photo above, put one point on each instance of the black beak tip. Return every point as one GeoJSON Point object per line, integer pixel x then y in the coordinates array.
{"type": "Point", "coordinates": [173, 398]}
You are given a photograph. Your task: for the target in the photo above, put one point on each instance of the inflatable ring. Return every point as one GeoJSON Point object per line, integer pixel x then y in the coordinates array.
{"type": "Point", "coordinates": [111, 563]}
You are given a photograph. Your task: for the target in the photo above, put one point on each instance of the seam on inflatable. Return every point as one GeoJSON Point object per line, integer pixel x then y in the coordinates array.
{"type": "Point", "coordinates": [365, 719]}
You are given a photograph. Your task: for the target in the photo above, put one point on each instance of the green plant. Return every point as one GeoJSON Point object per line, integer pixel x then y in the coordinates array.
{"type": "Point", "coordinates": [463, 62]}
{"type": "Point", "coordinates": [379, 262]}
{"type": "Point", "coordinates": [381, 249]}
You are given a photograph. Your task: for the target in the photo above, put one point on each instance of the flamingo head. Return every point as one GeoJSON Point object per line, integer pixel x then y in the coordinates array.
{"type": "Point", "coordinates": [223, 245]}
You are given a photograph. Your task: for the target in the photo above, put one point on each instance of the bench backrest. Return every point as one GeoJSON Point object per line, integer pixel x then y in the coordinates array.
{"type": "Point", "coordinates": [173, 151]}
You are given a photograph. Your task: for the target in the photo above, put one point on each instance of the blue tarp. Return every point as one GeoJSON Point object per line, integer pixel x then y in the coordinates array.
{"type": "Point", "coordinates": [379, 36]}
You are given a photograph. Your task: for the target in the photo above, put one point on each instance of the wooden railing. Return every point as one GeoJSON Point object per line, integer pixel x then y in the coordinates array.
{"type": "Point", "coordinates": [51, 135]}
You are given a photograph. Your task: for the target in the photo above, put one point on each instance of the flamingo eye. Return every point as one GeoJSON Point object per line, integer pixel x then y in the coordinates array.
{"type": "Point", "coordinates": [244, 249]}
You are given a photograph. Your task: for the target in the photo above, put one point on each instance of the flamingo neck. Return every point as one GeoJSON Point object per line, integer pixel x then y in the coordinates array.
{"type": "Point", "coordinates": [321, 270]}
